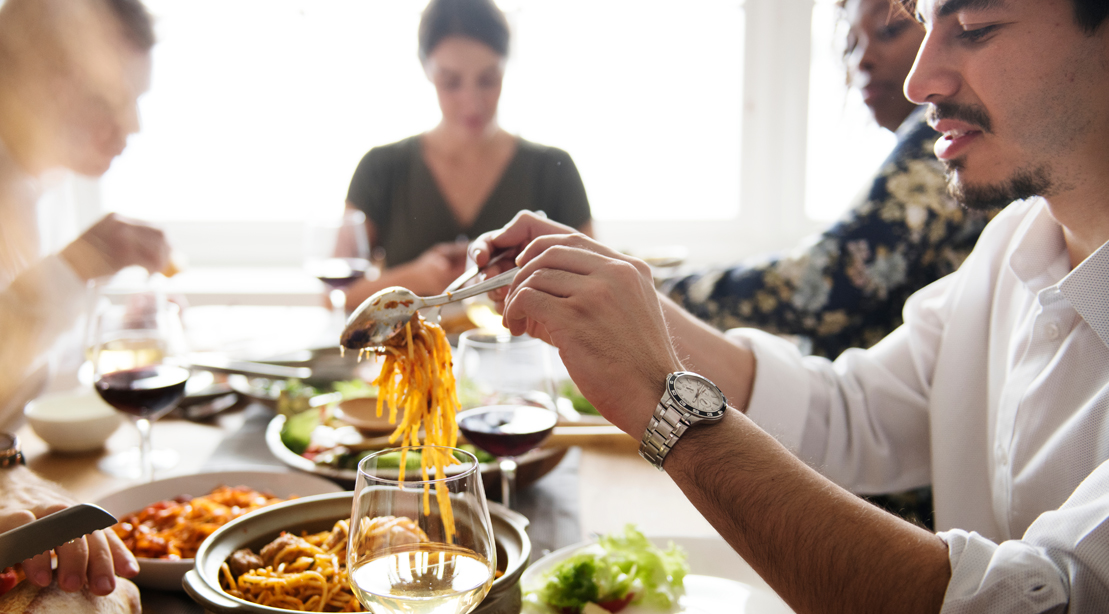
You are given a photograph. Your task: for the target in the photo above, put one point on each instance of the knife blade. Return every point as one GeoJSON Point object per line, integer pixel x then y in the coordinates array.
{"type": "Point", "coordinates": [220, 363]}
{"type": "Point", "coordinates": [51, 531]}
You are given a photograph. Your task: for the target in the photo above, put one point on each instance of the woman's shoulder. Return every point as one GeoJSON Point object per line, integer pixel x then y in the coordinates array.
{"type": "Point", "coordinates": [398, 151]}
{"type": "Point", "coordinates": [539, 152]}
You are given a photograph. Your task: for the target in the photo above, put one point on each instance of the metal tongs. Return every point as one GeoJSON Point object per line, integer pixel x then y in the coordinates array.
{"type": "Point", "coordinates": [384, 314]}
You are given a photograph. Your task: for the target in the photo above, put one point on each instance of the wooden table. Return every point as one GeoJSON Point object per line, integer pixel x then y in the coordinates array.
{"type": "Point", "coordinates": [616, 486]}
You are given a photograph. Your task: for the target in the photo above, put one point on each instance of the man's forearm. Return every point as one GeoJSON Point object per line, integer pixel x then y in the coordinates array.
{"type": "Point", "coordinates": [705, 350]}
{"type": "Point", "coordinates": [820, 547]}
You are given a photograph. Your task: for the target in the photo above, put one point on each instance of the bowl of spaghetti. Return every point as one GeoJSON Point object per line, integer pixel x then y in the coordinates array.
{"type": "Point", "coordinates": [165, 522]}
{"type": "Point", "coordinates": [311, 530]}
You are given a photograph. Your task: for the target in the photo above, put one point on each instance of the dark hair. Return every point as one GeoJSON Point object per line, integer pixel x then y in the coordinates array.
{"type": "Point", "coordinates": [135, 22]}
{"type": "Point", "coordinates": [480, 20]}
{"type": "Point", "coordinates": [1088, 14]}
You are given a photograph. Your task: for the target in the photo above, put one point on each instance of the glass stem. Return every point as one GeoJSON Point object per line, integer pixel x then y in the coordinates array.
{"type": "Point", "coordinates": [508, 481]}
{"type": "Point", "coordinates": [338, 301]}
{"type": "Point", "coordinates": [145, 455]}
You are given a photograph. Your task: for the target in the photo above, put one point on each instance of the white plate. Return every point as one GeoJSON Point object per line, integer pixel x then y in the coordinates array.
{"type": "Point", "coordinates": [719, 581]}
{"type": "Point", "coordinates": [166, 575]}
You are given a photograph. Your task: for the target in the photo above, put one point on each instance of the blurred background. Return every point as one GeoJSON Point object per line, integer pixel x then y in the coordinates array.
{"type": "Point", "coordinates": [676, 114]}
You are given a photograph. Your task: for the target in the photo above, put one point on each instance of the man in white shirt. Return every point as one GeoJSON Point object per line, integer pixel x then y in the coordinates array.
{"type": "Point", "coordinates": [996, 389]}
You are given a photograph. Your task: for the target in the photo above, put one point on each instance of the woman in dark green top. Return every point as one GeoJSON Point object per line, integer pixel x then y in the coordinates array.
{"type": "Point", "coordinates": [467, 175]}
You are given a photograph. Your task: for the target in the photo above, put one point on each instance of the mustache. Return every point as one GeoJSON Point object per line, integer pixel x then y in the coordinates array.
{"type": "Point", "coordinates": [971, 114]}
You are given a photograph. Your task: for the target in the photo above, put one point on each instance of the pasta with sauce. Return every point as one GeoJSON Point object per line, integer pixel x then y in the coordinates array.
{"type": "Point", "coordinates": [417, 377]}
{"type": "Point", "coordinates": [173, 529]}
{"type": "Point", "coordinates": [308, 572]}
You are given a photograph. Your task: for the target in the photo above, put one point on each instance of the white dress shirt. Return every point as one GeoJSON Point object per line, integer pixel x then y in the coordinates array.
{"type": "Point", "coordinates": [40, 298]}
{"type": "Point", "coordinates": [996, 392]}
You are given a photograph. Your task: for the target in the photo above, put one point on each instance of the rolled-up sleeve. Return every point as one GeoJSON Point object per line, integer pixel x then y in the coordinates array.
{"type": "Point", "coordinates": [862, 420]}
{"type": "Point", "coordinates": [1060, 565]}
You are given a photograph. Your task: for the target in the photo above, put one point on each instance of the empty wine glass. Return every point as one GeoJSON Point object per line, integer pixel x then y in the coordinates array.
{"type": "Point", "coordinates": [420, 544]}
{"type": "Point", "coordinates": [136, 340]}
{"type": "Point", "coordinates": [337, 252]}
{"type": "Point", "coordinates": [507, 396]}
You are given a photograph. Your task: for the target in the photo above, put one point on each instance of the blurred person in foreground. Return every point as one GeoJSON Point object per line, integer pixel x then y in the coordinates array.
{"type": "Point", "coordinates": [71, 72]}
{"type": "Point", "coordinates": [70, 77]}
{"type": "Point", "coordinates": [846, 288]}
{"type": "Point", "coordinates": [465, 176]}
{"type": "Point", "coordinates": [995, 389]}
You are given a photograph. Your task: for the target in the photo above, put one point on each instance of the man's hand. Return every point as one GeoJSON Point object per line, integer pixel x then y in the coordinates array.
{"type": "Point", "coordinates": [525, 227]}
{"type": "Point", "coordinates": [94, 559]}
{"type": "Point", "coordinates": [116, 242]}
{"type": "Point", "coordinates": [600, 309]}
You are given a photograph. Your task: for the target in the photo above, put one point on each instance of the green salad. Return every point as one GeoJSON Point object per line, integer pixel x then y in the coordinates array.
{"type": "Point", "coordinates": [621, 568]}
{"type": "Point", "coordinates": [581, 404]}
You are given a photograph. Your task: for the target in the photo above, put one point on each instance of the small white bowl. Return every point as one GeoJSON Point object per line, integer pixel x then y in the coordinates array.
{"type": "Point", "coordinates": [74, 421]}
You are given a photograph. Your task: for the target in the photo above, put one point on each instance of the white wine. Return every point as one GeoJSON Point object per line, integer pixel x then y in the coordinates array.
{"type": "Point", "coordinates": [424, 578]}
{"type": "Point", "coordinates": [129, 353]}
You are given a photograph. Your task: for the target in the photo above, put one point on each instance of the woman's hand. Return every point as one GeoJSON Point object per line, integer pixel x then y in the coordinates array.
{"type": "Point", "coordinates": [93, 560]}
{"type": "Point", "coordinates": [433, 271]}
{"type": "Point", "coordinates": [600, 309]}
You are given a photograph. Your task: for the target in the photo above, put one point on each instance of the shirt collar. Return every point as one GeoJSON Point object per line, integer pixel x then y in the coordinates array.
{"type": "Point", "coordinates": [1039, 257]}
{"type": "Point", "coordinates": [1041, 262]}
{"type": "Point", "coordinates": [1087, 289]}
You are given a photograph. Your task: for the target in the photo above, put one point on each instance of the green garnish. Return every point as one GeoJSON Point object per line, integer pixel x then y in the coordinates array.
{"type": "Point", "coordinates": [581, 404]}
{"type": "Point", "coordinates": [296, 433]}
{"type": "Point", "coordinates": [627, 563]}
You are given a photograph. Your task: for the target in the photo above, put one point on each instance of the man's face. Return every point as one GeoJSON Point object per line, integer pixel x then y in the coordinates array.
{"type": "Point", "coordinates": [104, 112]}
{"type": "Point", "coordinates": [1020, 94]}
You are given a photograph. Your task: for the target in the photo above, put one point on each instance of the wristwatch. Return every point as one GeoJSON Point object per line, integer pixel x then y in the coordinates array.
{"type": "Point", "coordinates": [10, 455]}
{"type": "Point", "coordinates": [689, 399]}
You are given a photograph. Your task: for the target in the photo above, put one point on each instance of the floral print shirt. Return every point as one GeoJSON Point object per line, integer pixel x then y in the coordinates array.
{"type": "Point", "coordinates": [848, 288]}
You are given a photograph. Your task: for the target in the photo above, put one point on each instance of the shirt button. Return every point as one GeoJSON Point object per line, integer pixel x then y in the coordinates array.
{"type": "Point", "coordinates": [1051, 331]}
{"type": "Point", "coordinates": [1002, 455]}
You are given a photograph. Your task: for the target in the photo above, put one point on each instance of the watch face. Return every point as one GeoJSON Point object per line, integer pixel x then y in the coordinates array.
{"type": "Point", "coordinates": [7, 442]}
{"type": "Point", "coordinates": [699, 395]}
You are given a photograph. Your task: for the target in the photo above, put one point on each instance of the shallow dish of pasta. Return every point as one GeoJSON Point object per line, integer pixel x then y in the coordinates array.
{"type": "Point", "coordinates": [172, 530]}
{"type": "Point", "coordinates": [301, 560]}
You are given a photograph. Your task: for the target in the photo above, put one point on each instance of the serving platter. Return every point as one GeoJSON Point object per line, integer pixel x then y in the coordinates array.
{"type": "Point", "coordinates": [530, 467]}
{"type": "Point", "coordinates": [166, 574]}
{"type": "Point", "coordinates": [719, 581]}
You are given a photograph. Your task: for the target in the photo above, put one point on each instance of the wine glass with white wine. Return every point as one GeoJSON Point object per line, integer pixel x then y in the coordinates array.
{"type": "Point", "coordinates": [420, 545]}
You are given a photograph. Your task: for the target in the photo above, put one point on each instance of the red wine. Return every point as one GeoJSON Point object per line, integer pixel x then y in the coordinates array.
{"type": "Point", "coordinates": [507, 430]}
{"type": "Point", "coordinates": [339, 272]}
{"type": "Point", "coordinates": [146, 392]}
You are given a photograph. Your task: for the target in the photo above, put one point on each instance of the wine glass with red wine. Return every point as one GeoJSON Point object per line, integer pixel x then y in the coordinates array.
{"type": "Point", "coordinates": [337, 252]}
{"type": "Point", "coordinates": [136, 339]}
{"type": "Point", "coordinates": [507, 395]}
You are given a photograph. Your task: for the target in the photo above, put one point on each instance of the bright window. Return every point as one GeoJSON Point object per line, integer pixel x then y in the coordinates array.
{"type": "Point", "coordinates": [845, 145]}
{"type": "Point", "coordinates": [260, 109]}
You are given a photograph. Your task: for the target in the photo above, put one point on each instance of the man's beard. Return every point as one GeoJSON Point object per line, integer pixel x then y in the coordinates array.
{"type": "Point", "coordinates": [1024, 183]}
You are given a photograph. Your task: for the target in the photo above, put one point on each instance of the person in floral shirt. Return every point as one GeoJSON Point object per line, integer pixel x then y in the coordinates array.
{"type": "Point", "coordinates": [847, 288]}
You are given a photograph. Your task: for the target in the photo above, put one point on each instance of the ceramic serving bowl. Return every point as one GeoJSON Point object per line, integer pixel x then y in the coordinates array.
{"type": "Point", "coordinates": [74, 421]}
{"type": "Point", "coordinates": [320, 513]}
{"type": "Point", "coordinates": [164, 574]}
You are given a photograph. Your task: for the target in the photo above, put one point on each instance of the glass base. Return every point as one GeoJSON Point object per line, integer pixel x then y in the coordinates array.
{"type": "Point", "coordinates": [126, 464]}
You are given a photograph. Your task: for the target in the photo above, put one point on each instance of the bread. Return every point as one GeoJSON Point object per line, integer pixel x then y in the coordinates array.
{"type": "Point", "coordinates": [28, 598]}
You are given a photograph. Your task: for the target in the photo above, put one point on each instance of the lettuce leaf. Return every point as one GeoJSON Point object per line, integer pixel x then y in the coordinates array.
{"type": "Point", "coordinates": [622, 563]}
